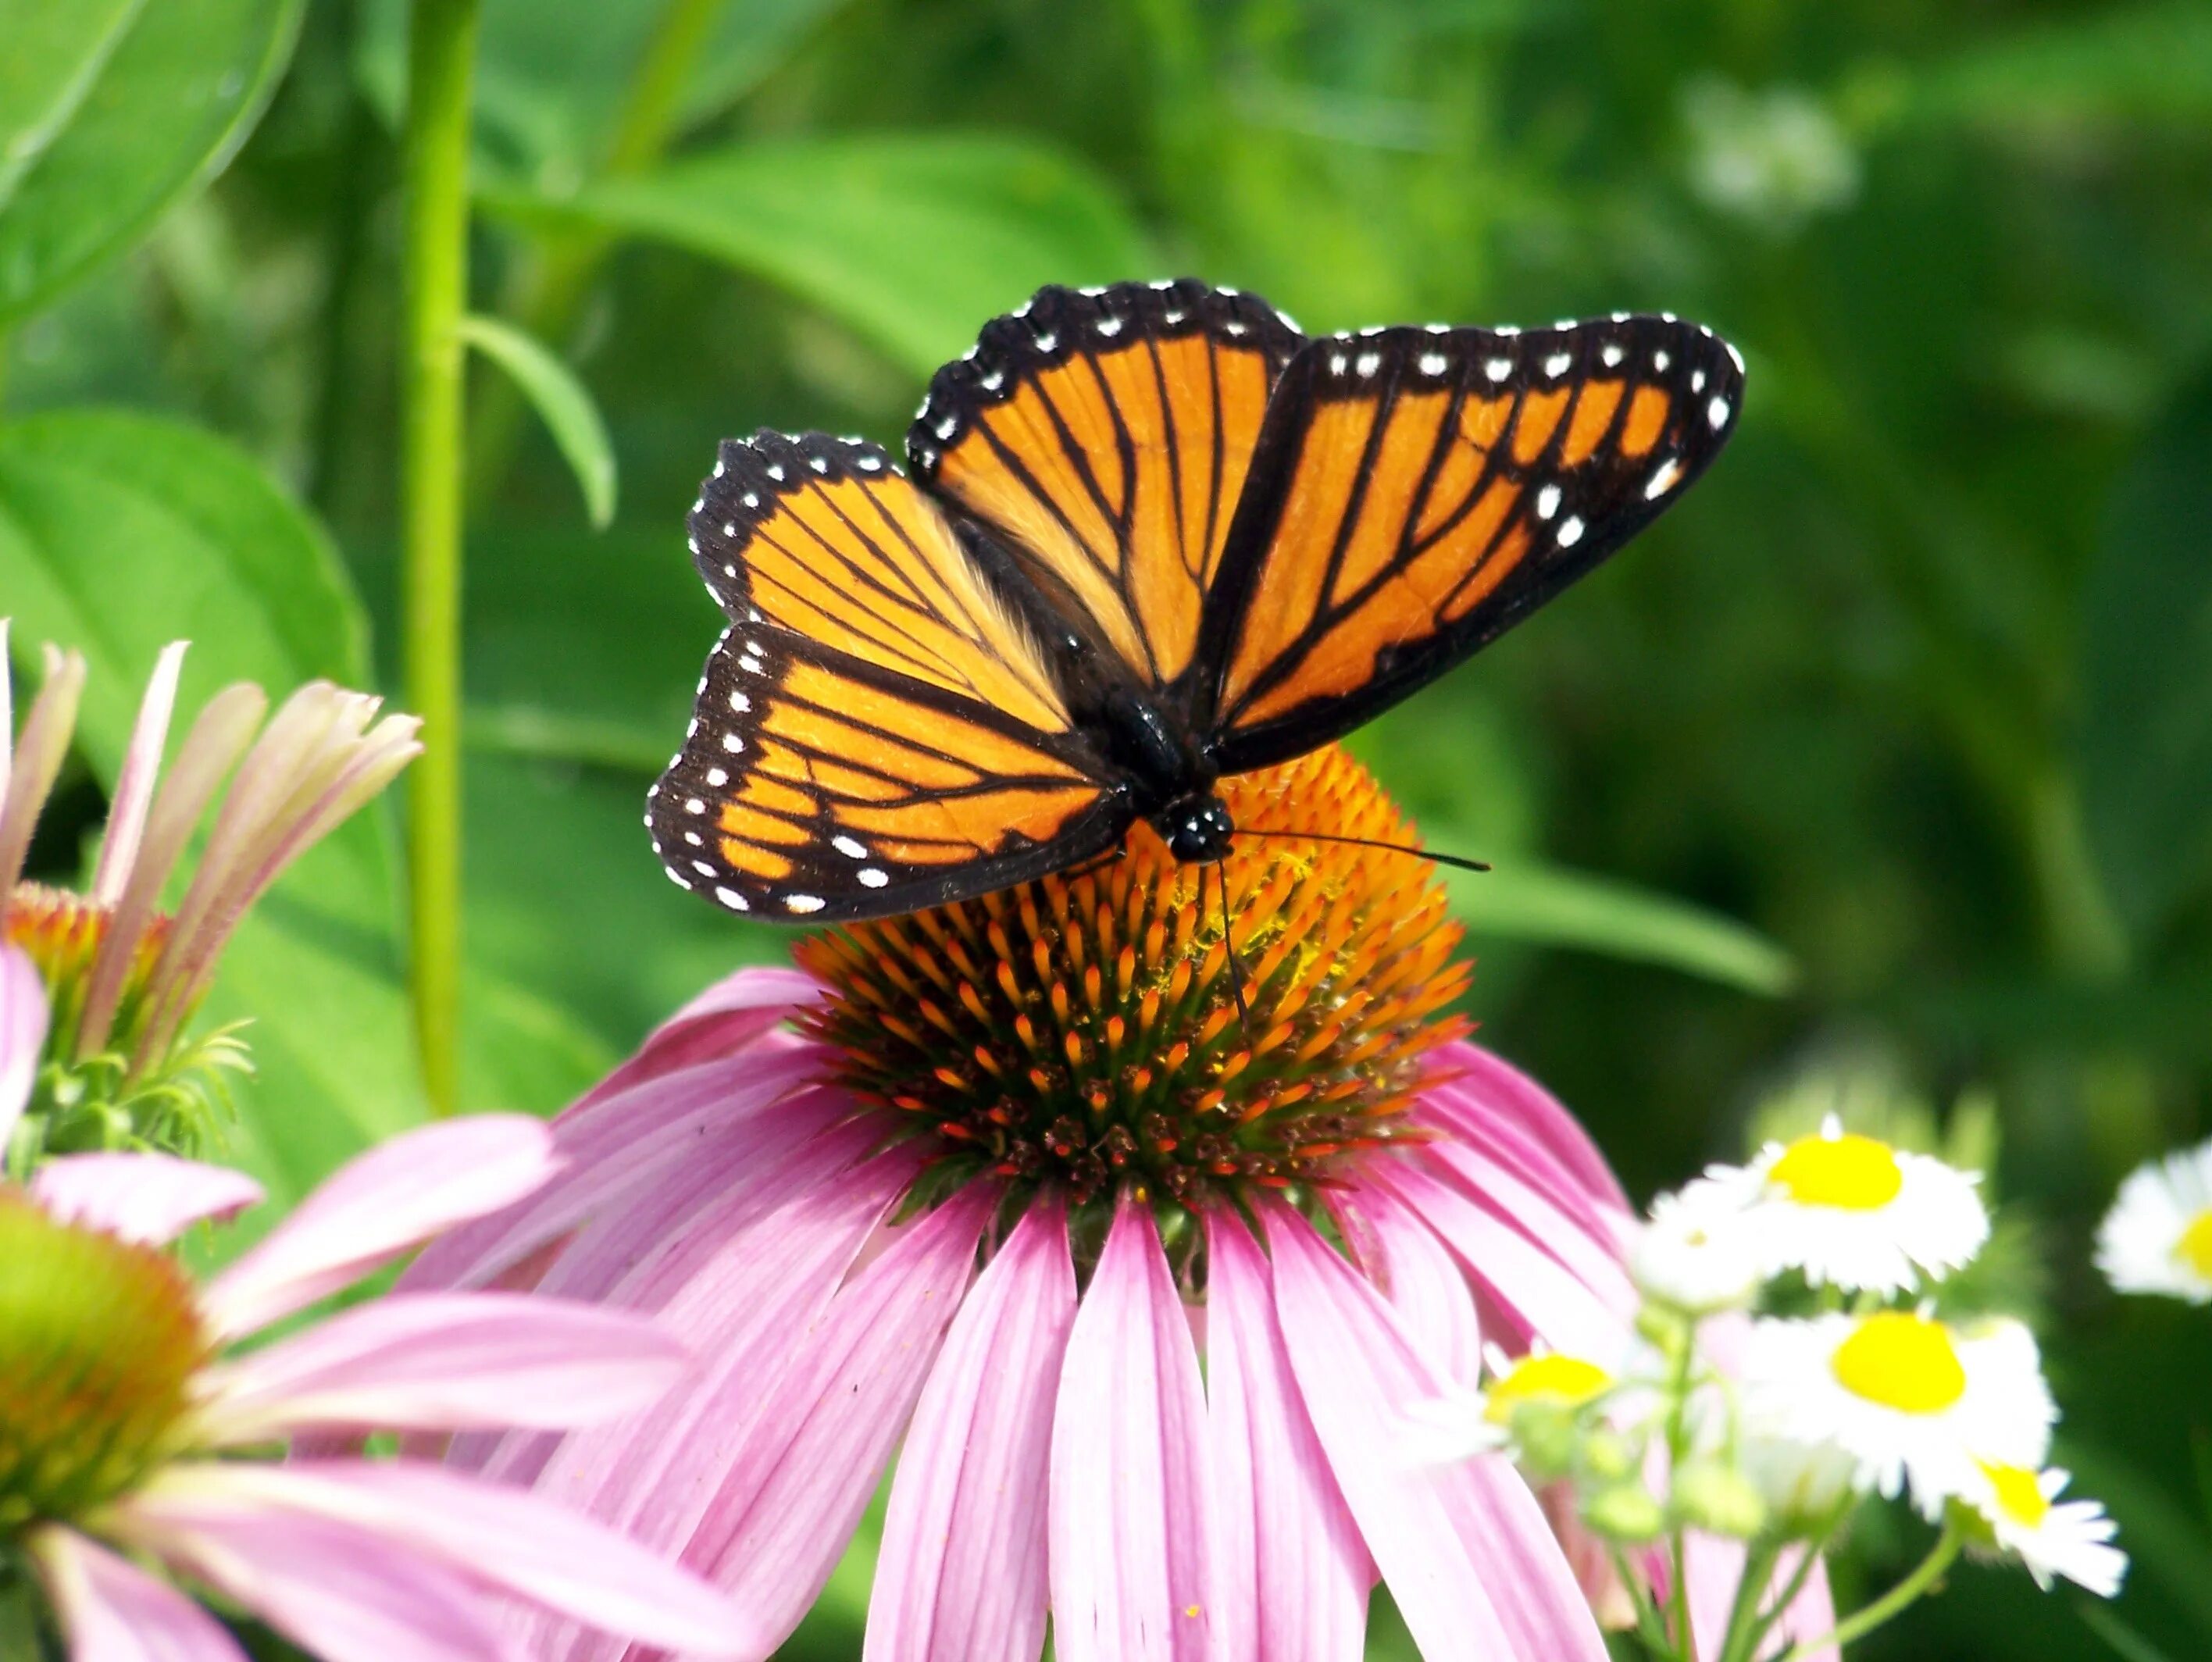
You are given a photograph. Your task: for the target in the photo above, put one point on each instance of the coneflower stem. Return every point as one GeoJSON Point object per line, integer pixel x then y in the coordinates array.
{"type": "Point", "coordinates": [1864, 1620]}
{"type": "Point", "coordinates": [440, 54]}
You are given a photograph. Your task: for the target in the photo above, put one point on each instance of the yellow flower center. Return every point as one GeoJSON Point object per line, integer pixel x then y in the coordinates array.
{"type": "Point", "coordinates": [99, 1341]}
{"type": "Point", "coordinates": [2018, 1492]}
{"type": "Point", "coordinates": [1565, 1382]}
{"type": "Point", "coordinates": [1085, 1030]}
{"type": "Point", "coordinates": [1855, 1173]}
{"type": "Point", "coordinates": [1901, 1360]}
{"type": "Point", "coordinates": [2194, 1249]}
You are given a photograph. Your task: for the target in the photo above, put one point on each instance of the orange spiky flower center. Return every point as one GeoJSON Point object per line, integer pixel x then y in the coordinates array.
{"type": "Point", "coordinates": [1084, 1031]}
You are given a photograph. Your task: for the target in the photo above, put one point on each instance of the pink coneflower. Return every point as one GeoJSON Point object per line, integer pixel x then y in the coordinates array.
{"type": "Point", "coordinates": [122, 1067]}
{"type": "Point", "coordinates": [123, 1427]}
{"type": "Point", "coordinates": [1145, 1281]}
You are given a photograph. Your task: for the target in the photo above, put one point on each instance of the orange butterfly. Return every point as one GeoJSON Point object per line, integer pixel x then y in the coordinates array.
{"type": "Point", "coordinates": [1153, 535]}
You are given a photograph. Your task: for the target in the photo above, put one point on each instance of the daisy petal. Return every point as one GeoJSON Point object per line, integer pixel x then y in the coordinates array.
{"type": "Point", "coordinates": [23, 1026]}
{"type": "Point", "coordinates": [1465, 1548]}
{"type": "Point", "coordinates": [111, 1611]}
{"type": "Point", "coordinates": [346, 1594]}
{"type": "Point", "coordinates": [1131, 1533]}
{"type": "Point", "coordinates": [1291, 1572]}
{"type": "Point", "coordinates": [392, 1198]}
{"type": "Point", "coordinates": [506, 1539]}
{"type": "Point", "coordinates": [151, 1198]}
{"type": "Point", "coordinates": [439, 1361]}
{"type": "Point", "coordinates": [961, 1576]}
{"type": "Point", "coordinates": [797, 1487]}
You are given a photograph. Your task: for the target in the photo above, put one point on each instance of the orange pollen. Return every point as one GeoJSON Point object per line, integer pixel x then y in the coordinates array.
{"type": "Point", "coordinates": [1084, 1031]}
{"type": "Point", "coordinates": [60, 932]}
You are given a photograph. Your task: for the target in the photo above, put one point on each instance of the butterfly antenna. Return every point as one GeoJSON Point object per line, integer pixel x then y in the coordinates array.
{"type": "Point", "coordinates": [1236, 964]}
{"type": "Point", "coordinates": [1459, 861]}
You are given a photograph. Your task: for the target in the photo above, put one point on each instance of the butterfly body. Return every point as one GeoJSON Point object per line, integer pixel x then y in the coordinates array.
{"type": "Point", "coordinates": [1153, 535]}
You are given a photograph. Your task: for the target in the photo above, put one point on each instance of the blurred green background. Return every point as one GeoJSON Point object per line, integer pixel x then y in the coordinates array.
{"type": "Point", "coordinates": [1880, 770]}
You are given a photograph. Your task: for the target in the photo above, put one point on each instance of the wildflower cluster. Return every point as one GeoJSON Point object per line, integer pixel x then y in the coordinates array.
{"type": "Point", "coordinates": [1789, 1361]}
{"type": "Point", "coordinates": [121, 1067]}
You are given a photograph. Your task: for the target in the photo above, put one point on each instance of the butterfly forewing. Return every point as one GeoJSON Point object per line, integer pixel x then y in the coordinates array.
{"type": "Point", "coordinates": [876, 731]}
{"type": "Point", "coordinates": [1416, 492]}
{"type": "Point", "coordinates": [1104, 436]}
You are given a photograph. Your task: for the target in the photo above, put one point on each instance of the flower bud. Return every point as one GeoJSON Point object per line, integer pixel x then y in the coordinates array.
{"type": "Point", "coordinates": [1627, 1513]}
{"type": "Point", "coordinates": [1710, 1495]}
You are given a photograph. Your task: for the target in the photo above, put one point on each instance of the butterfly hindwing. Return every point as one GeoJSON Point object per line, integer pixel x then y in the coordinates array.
{"type": "Point", "coordinates": [876, 731]}
{"type": "Point", "coordinates": [1418, 491]}
{"type": "Point", "coordinates": [1104, 434]}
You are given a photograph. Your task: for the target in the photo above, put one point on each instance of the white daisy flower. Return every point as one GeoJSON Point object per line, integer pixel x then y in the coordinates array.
{"type": "Point", "coordinates": [2158, 1236]}
{"type": "Point", "coordinates": [1697, 1253]}
{"type": "Point", "coordinates": [2052, 1537]}
{"type": "Point", "coordinates": [1457, 1427]}
{"type": "Point", "coordinates": [1905, 1396]}
{"type": "Point", "coordinates": [1851, 1210]}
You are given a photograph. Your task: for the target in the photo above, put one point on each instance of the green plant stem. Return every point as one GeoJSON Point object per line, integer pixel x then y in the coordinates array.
{"type": "Point", "coordinates": [1867, 1618]}
{"type": "Point", "coordinates": [1649, 1622]}
{"type": "Point", "coordinates": [1742, 1634]}
{"type": "Point", "coordinates": [1678, 1441]}
{"type": "Point", "coordinates": [552, 288]}
{"type": "Point", "coordinates": [1816, 1545]}
{"type": "Point", "coordinates": [441, 61]}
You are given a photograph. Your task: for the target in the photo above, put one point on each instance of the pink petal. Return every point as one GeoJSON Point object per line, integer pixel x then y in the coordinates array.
{"type": "Point", "coordinates": [1290, 1573]}
{"type": "Point", "coordinates": [148, 1197]}
{"type": "Point", "coordinates": [961, 1576]}
{"type": "Point", "coordinates": [111, 1611]}
{"type": "Point", "coordinates": [1131, 1508]}
{"type": "Point", "coordinates": [1537, 1295]}
{"type": "Point", "coordinates": [1715, 1571]}
{"type": "Point", "coordinates": [1403, 1255]}
{"type": "Point", "coordinates": [754, 1288]}
{"type": "Point", "coordinates": [22, 1023]}
{"type": "Point", "coordinates": [504, 1539]}
{"type": "Point", "coordinates": [612, 1146]}
{"type": "Point", "coordinates": [442, 1362]}
{"type": "Point", "coordinates": [798, 1485]}
{"type": "Point", "coordinates": [734, 1014]}
{"type": "Point", "coordinates": [1511, 1094]}
{"type": "Point", "coordinates": [1589, 1248]}
{"type": "Point", "coordinates": [1466, 1549]}
{"type": "Point", "coordinates": [656, 1249]}
{"type": "Point", "coordinates": [1466, 1119]}
{"type": "Point", "coordinates": [377, 1206]}
{"type": "Point", "coordinates": [345, 1594]}
{"type": "Point", "coordinates": [134, 781]}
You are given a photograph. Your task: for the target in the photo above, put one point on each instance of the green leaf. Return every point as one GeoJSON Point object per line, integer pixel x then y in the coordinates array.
{"type": "Point", "coordinates": [1524, 901]}
{"type": "Point", "coordinates": [2110, 65]}
{"type": "Point", "coordinates": [2145, 740]}
{"type": "Point", "coordinates": [909, 240]}
{"type": "Point", "coordinates": [562, 401]}
{"type": "Point", "coordinates": [119, 533]}
{"type": "Point", "coordinates": [110, 110]}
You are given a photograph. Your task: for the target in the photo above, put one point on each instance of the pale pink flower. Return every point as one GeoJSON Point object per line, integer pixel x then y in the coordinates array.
{"type": "Point", "coordinates": [123, 1068]}
{"type": "Point", "coordinates": [1143, 1268]}
{"type": "Point", "coordinates": [123, 1421]}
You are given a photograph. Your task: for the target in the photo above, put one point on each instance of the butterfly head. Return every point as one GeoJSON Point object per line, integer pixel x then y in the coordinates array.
{"type": "Point", "coordinates": [1197, 829]}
